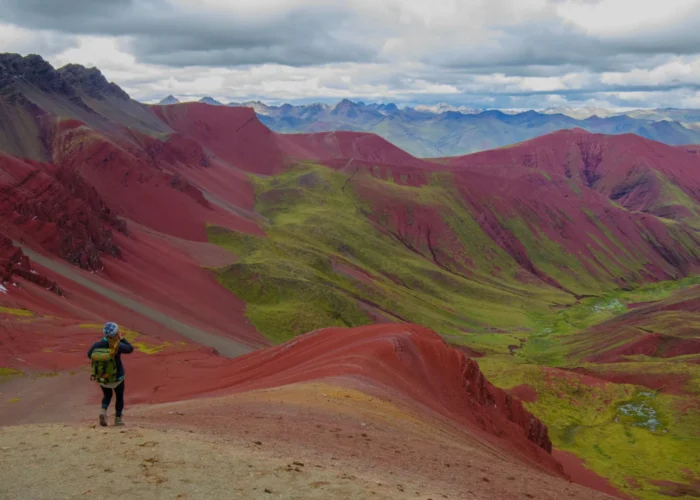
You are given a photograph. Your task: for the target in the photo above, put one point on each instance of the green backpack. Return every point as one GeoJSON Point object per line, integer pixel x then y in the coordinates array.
{"type": "Point", "coordinates": [104, 367]}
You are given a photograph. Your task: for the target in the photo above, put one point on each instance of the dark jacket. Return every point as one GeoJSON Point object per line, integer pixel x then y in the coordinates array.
{"type": "Point", "coordinates": [124, 348]}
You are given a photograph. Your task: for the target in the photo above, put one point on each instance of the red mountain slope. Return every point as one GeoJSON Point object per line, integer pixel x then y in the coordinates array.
{"type": "Point", "coordinates": [234, 135]}
{"type": "Point", "coordinates": [624, 168]}
{"type": "Point", "coordinates": [361, 147]}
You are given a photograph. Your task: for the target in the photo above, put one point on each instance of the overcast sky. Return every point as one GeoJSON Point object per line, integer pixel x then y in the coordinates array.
{"type": "Point", "coordinates": [479, 53]}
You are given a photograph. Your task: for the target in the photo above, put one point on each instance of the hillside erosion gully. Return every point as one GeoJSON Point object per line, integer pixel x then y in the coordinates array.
{"type": "Point", "coordinates": [224, 346]}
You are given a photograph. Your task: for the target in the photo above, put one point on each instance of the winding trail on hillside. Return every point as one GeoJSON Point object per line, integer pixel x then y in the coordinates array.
{"type": "Point", "coordinates": [224, 346]}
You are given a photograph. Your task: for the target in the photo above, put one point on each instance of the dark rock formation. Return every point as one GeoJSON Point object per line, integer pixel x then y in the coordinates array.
{"type": "Point", "coordinates": [91, 81]}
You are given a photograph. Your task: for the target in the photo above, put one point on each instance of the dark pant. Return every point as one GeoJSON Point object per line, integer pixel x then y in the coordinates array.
{"type": "Point", "coordinates": [119, 391]}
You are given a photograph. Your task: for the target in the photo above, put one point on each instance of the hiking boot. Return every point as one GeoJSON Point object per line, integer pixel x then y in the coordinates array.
{"type": "Point", "coordinates": [118, 421]}
{"type": "Point", "coordinates": [103, 419]}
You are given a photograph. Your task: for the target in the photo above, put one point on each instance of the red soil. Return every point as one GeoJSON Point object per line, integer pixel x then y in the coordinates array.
{"type": "Point", "coordinates": [367, 431]}
{"type": "Point", "coordinates": [365, 148]}
{"type": "Point", "coordinates": [573, 376]}
{"type": "Point", "coordinates": [524, 392]}
{"type": "Point", "coordinates": [77, 208]}
{"type": "Point", "coordinates": [647, 345]}
{"type": "Point", "coordinates": [411, 175]}
{"type": "Point", "coordinates": [172, 281]}
{"type": "Point", "coordinates": [585, 171]}
{"type": "Point", "coordinates": [574, 467]}
{"type": "Point", "coordinates": [669, 384]}
{"type": "Point", "coordinates": [353, 272]}
{"type": "Point", "coordinates": [692, 149]}
{"type": "Point", "coordinates": [409, 364]}
{"type": "Point", "coordinates": [193, 178]}
{"type": "Point", "coordinates": [636, 305]}
{"type": "Point", "coordinates": [677, 490]}
{"type": "Point", "coordinates": [469, 352]}
{"type": "Point", "coordinates": [176, 150]}
{"type": "Point", "coordinates": [178, 185]}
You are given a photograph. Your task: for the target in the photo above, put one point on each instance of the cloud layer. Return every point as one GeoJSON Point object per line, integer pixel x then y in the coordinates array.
{"type": "Point", "coordinates": [481, 53]}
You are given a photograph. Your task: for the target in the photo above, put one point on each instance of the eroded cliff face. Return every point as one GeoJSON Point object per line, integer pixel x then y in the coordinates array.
{"type": "Point", "coordinates": [511, 408]}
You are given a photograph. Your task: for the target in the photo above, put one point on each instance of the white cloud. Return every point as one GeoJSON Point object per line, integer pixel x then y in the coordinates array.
{"type": "Point", "coordinates": [676, 71]}
{"type": "Point", "coordinates": [512, 53]}
{"type": "Point", "coordinates": [21, 40]}
{"type": "Point", "coordinates": [615, 17]}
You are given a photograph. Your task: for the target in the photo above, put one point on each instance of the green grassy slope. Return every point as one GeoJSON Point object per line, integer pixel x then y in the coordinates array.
{"type": "Point", "coordinates": [328, 260]}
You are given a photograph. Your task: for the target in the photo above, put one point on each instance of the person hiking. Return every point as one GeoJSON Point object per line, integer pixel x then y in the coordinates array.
{"type": "Point", "coordinates": [108, 370]}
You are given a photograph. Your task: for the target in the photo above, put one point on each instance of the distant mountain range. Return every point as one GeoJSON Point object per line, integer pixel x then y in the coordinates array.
{"type": "Point", "coordinates": [446, 130]}
{"type": "Point", "coordinates": [438, 132]}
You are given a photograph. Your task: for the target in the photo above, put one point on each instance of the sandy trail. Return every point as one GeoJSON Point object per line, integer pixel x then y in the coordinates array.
{"type": "Point", "coordinates": [63, 461]}
{"type": "Point", "coordinates": [225, 346]}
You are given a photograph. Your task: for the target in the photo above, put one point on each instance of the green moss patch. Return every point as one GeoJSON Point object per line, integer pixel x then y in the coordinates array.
{"type": "Point", "coordinates": [16, 312]}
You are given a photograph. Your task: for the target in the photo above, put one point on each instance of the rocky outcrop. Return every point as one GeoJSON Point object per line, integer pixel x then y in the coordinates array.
{"type": "Point", "coordinates": [34, 70]}
{"type": "Point", "coordinates": [13, 262]}
{"type": "Point", "coordinates": [488, 395]}
{"type": "Point", "coordinates": [91, 82]}
{"type": "Point", "coordinates": [57, 209]}
{"type": "Point", "coordinates": [17, 72]}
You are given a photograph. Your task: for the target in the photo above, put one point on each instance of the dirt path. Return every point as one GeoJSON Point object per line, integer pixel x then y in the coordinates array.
{"type": "Point", "coordinates": [61, 461]}
{"type": "Point", "coordinates": [225, 346]}
{"type": "Point", "coordinates": [38, 399]}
